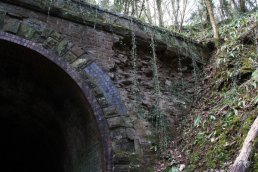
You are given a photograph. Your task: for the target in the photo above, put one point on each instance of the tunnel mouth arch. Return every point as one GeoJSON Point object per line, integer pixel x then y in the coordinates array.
{"type": "Point", "coordinates": [49, 119]}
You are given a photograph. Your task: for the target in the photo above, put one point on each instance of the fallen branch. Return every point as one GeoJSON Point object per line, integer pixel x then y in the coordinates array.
{"type": "Point", "coordinates": [241, 162]}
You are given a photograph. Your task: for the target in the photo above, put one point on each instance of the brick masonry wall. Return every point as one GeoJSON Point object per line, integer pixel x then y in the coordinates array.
{"type": "Point", "coordinates": [102, 61]}
{"type": "Point", "coordinates": [81, 59]}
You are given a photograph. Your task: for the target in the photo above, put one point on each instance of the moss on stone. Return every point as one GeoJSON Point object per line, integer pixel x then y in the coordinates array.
{"type": "Point", "coordinates": [27, 31]}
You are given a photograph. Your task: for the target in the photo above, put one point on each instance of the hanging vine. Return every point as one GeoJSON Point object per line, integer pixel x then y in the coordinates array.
{"type": "Point", "coordinates": [136, 89]}
{"type": "Point", "coordinates": [158, 118]}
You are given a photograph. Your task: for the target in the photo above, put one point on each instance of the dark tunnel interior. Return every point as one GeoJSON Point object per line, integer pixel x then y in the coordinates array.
{"type": "Point", "coordinates": [46, 125]}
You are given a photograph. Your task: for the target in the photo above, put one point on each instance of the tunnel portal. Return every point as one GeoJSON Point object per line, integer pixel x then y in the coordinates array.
{"type": "Point", "coordinates": [46, 124]}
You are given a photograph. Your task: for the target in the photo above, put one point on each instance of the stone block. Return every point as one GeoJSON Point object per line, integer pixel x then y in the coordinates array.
{"type": "Point", "coordinates": [128, 121]}
{"type": "Point", "coordinates": [70, 57]}
{"type": "Point", "coordinates": [12, 25]}
{"type": "Point", "coordinates": [46, 32]}
{"type": "Point", "coordinates": [121, 157]}
{"type": "Point", "coordinates": [97, 92]}
{"type": "Point", "coordinates": [80, 63]}
{"type": "Point", "coordinates": [118, 133]}
{"type": "Point", "coordinates": [121, 168]}
{"type": "Point", "coordinates": [27, 31]}
{"type": "Point", "coordinates": [110, 112]}
{"type": "Point", "coordinates": [78, 51]}
{"type": "Point", "coordinates": [130, 133]}
{"type": "Point", "coordinates": [123, 145]}
{"type": "Point", "coordinates": [18, 15]}
{"type": "Point", "coordinates": [50, 43]}
{"type": "Point", "coordinates": [115, 122]}
{"type": "Point", "coordinates": [63, 47]}
{"type": "Point", "coordinates": [2, 16]}
{"type": "Point", "coordinates": [103, 102]}
{"type": "Point", "coordinates": [56, 35]}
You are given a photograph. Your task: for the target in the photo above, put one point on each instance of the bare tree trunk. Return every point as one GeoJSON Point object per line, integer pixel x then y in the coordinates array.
{"type": "Point", "coordinates": [160, 13]}
{"type": "Point", "coordinates": [133, 8]}
{"type": "Point", "coordinates": [182, 14]}
{"type": "Point", "coordinates": [126, 7]}
{"type": "Point", "coordinates": [142, 7]}
{"type": "Point", "coordinates": [227, 9]}
{"type": "Point", "coordinates": [175, 8]}
{"type": "Point", "coordinates": [148, 12]}
{"type": "Point", "coordinates": [242, 6]}
{"type": "Point", "coordinates": [206, 13]}
{"type": "Point", "coordinates": [222, 9]}
{"type": "Point", "coordinates": [241, 162]}
{"type": "Point", "coordinates": [136, 7]}
{"type": "Point", "coordinates": [234, 4]}
{"type": "Point", "coordinates": [212, 20]}
{"type": "Point", "coordinates": [155, 13]}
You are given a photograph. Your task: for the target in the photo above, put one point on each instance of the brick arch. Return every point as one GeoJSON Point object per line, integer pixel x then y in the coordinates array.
{"type": "Point", "coordinates": [110, 113]}
{"type": "Point", "coordinates": [122, 140]}
{"type": "Point", "coordinates": [87, 92]}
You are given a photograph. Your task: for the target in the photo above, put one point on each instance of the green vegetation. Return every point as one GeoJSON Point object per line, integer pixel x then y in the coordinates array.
{"type": "Point", "coordinates": [218, 133]}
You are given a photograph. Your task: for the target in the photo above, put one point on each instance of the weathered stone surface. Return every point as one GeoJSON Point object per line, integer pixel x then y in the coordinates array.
{"type": "Point", "coordinates": [98, 92]}
{"type": "Point", "coordinates": [118, 133]}
{"type": "Point", "coordinates": [56, 35]}
{"type": "Point", "coordinates": [2, 15]}
{"type": "Point", "coordinates": [123, 145]}
{"type": "Point", "coordinates": [80, 63]}
{"type": "Point", "coordinates": [102, 57]}
{"type": "Point", "coordinates": [46, 32]}
{"type": "Point", "coordinates": [103, 102]}
{"type": "Point", "coordinates": [63, 47]}
{"type": "Point", "coordinates": [110, 112]}
{"type": "Point", "coordinates": [131, 133]}
{"type": "Point", "coordinates": [50, 43]}
{"type": "Point", "coordinates": [121, 168]}
{"type": "Point", "coordinates": [115, 122]}
{"type": "Point", "coordinates": [27, 31]}
{"type": "Point", "coordinates": [121, 25]}
{"type": "Point", "coordinates": [12, 25]}
{"type": "Point", "coordinates": [78, 51]}
{"type": "Point", "coordinates": [17, 15]}
{"type": "Point", "coordinates": [121, 158]}
{"type": "Point", "coordinates": [70, 57]}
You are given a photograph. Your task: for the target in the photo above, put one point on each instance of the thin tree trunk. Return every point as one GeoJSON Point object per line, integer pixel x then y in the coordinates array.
{"type": "Point", "coordinates": [234, 4]}
{"type": "Point", "coordinates": [183, 13]}
{"type": "Point", "coordinates": [148, 12]}
{"type": "Point", "coordinates": [126, 7]}
{"type": "Point", "coordinates": [242, 6]}
{"type": "Point", "coordinates": [212, 20]}
{"type": "Point", "coordinates": [142, 7]}
{"type": "Point", "coordinates": [175, 8]}
{"type": "Point", "coordinates": [206, 14]}
{"type": "Point", "coordinates": [155, 13]}
{"type": "Point", "coordinates": [221, 3]}
{"type": "Point", "coordinates": [227, 9]}
{"type": "Point", "coordinates": [160, 13]}
{"type": "Point", "coordinates": [136, 8]}
{"type": "Point", "coordinates": [241, 162]}
{"type": "Point", "coordinates": [133, 8]}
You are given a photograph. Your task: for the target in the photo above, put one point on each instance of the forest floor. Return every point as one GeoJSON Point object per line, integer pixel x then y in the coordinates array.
{"type": "Point", "coordinates": [215, 128]}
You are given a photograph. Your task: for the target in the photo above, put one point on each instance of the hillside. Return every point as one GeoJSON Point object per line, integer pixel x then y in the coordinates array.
{"type": "Point", "coordinates": [214, 130]}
